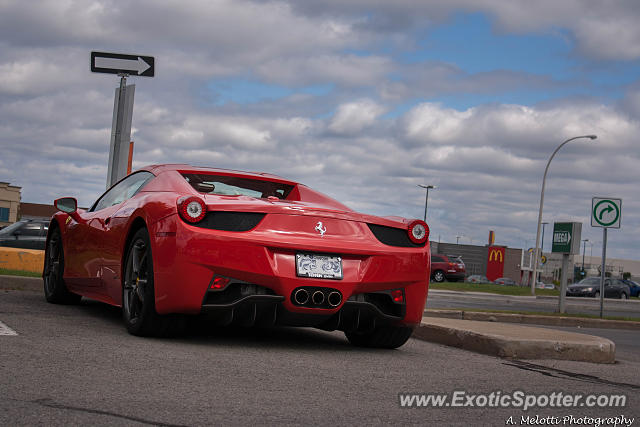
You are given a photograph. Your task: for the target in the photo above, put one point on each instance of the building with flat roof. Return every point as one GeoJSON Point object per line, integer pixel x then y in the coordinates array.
{"type": "Point", "coordinates": [36, 211]}
{"type": "Point", "coordinates": [9, 204]}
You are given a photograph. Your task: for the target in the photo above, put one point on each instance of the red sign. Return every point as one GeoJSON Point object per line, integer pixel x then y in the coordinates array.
{"type": "Point", "coordinates": [495, 262]}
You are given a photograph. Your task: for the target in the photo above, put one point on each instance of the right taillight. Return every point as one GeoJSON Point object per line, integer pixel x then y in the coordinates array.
{"type": "Point", "coordinates": [418, 231]}
{"type": "Point", "coordinates": [192, 209]}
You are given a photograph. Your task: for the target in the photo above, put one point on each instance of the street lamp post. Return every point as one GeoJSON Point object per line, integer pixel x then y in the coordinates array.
{"type": "Point", "coordinates": [542, 243]}
{"type": "Point", "coordinates": [584, 250]}
{"type": "Point", "coordinates": [426, 200]}
{"type": "Point", "coordinates": [544, 180]}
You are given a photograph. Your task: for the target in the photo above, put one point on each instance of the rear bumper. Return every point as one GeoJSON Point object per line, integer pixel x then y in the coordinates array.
{"type": "Point", "coordinates": [186, 259]}
{"type": "Point", "coordinates": [455, 276]}
{"type": "Point", "coordinates": [356, 314]}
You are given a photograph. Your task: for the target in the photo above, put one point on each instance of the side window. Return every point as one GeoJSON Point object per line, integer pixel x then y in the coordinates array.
{"type": "Point", "coordinates": [122, 191]}
{"type": "Point", "coordinates": [31, 229]}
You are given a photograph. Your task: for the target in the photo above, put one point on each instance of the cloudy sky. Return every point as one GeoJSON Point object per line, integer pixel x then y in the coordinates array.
{"type": "Point", "coordinates": [361, 99]}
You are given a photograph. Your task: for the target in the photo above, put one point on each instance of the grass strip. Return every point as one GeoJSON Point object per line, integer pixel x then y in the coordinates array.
{"type": "Point", "coordinates": [491, 288]}
{"type": "Point", "coordinates": [542, 313]}
{"type": "Point", "coordinates": [6, 272]}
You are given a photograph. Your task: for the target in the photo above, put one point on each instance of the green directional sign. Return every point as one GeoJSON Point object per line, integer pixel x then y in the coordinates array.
{"type": "Point", "coordinates": [566, 237]}
{"type": "Point", "coordinates": [606, 212]}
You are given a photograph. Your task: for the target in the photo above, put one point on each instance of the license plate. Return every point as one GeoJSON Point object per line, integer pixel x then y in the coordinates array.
{"type": "Point", "coordinates": [319, 266]}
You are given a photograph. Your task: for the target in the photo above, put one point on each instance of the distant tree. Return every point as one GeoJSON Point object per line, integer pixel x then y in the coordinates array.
{"type": "Point", "coordinates": [626, 275]}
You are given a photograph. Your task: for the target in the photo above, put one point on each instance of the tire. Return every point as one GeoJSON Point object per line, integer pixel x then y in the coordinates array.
{"type": "Point", "coordinates": [55, 290]}
{"type": "Point", "coordinates": [438, 276]}
{"type": "Point", "coordinates": [596, 294]}
{"type": "Point", "coordinates": [623, 295]}
{"type": "Point", "coordinates": [381, 337]}
{"type": "Point", "coordinates": [138, 295]}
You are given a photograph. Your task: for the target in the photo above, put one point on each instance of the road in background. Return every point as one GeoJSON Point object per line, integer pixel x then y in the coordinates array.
{"type": "Point", "coordinates": [486, 301]}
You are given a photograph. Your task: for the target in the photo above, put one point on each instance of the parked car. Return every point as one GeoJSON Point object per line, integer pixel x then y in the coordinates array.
{"type": "Point", "coordinates": [542, 285]}
{"type": "Point", "coordinates": [634, 288]}
{"type": "Point", "coordinates": [447, 267]}
{"type": "Point", "coordinates": [505, 281]}
{"type": "Point", "coordinates": [476, 278]}
{"type": "Point", "coordinates": [25, 234]}
{"type": "Point", "coordinates": [248, 248]}
{"type": "Point", "coordinates": [590, 287]}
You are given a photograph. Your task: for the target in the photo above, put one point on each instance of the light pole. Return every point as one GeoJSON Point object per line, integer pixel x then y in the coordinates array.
{"type": "Point", "coordinates": [542, 243]}
{"type": "Point", "coordinates": [426, 200]}
{"type": "Point", "coordinates": [584, 249]}
{"type": "Point", "coordinates": [544, 180]}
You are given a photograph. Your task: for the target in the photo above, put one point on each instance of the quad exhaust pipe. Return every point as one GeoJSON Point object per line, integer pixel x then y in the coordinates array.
{"type": "Point", "coordinates": [316, 297]}
{"type": "Point", "coordinates": [334, 299]}
{"type": "Point", "coordinates": [301, 296]}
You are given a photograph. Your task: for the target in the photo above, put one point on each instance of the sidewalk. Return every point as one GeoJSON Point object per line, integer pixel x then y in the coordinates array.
{"type": "Point", "coordinates": [515, 341]}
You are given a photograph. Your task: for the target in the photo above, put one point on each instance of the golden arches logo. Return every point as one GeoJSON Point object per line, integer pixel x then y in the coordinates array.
{"type": "Point", "coordinates": [495, 254]}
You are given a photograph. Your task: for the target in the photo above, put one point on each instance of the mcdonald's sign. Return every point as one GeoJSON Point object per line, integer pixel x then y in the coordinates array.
{"type": "Point", "coordinates": [495, 262]}
{"type": "Point", "coordinates": [496, 255]}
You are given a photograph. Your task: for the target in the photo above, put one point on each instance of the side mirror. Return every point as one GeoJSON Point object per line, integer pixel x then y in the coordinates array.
{"type": "Point", "coordinates": [66, 204]}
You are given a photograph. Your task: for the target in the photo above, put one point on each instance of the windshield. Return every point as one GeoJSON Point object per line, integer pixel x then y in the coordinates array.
{"type": "Point", "coordinates": [590, 281]}
{"type": "Point", "coordinates": [226, 185]}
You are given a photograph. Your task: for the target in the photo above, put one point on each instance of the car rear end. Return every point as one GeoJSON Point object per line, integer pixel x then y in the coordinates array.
{"type": "Point", "coordinates": [252, 260]}
{"type": "Point", "coordinates": [455, 269]}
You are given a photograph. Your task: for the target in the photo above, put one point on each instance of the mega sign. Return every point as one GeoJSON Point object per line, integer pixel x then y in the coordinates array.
{"type": "Point", "coordinates": [566, 237]}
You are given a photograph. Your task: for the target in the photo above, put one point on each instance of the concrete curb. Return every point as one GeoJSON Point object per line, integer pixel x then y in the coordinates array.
{"type": "Point", "coordinates": [516, 341]}
{"type": "Point", "coordinates": [22, 259]}
{"type": "Point", "coordinates": [533, 319]}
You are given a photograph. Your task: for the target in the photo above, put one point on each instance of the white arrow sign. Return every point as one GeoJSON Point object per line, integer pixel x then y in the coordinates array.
{"type": "Point", "coordinates": [120, 63]}
{"type": "Point", "coordinates": [139, 65]}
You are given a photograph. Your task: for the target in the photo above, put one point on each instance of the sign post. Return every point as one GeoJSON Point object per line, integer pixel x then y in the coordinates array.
{"type": "Point", "coordinates": [566, 240]}
{"type": "Point", "coordinates": [124, 66]}
{"type": "Point", "coordinates": [606, 212]}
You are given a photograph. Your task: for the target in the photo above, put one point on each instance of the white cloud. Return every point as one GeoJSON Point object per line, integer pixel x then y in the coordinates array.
{"type": "Point", "coordinates": [353, 117]}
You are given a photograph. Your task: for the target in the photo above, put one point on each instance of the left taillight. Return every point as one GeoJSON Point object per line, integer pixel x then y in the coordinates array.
{"type": "Point", "coordinates": [418, 231]}
{"type": "Point", "coordinates": [191, 209]}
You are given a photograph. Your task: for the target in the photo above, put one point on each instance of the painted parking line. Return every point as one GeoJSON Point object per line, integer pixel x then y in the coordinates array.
{"type": "Point", "coordinates": [5, 330]}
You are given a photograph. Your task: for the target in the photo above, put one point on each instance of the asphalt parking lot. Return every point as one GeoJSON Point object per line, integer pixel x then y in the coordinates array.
{"type": "Point", "coordinates": [77, 365]}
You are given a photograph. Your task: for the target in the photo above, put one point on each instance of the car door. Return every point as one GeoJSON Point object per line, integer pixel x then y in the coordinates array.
{"type": "Point", "coordinates": [620, 288]}
{"type": "Point", "coordinates": [609, 290]}
{"type": "Point", "coordinates": [110, 216]}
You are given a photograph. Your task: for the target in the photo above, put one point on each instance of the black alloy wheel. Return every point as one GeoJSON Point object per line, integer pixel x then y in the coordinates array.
{"type": "Point", "coordinates": [438, 276]}
{"type": "Point", "coordinates": [55, 290]}
{"type": "Point", "coordinates": [138, 295]}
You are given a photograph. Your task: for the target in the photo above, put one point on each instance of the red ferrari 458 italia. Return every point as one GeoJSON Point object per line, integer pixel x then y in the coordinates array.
{"type": "Point", "coordinates": [243, 248]}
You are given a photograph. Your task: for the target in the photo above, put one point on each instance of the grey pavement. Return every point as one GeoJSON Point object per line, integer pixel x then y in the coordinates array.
{"type": "Point", "coordinates": [72, 365]}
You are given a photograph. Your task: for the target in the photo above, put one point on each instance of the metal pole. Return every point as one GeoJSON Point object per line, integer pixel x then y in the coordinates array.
{"type": "Point", "coordinates": [563, 283]}
{"type": "Point", "coordinates": [426, 202]}
{"type": "Point", "coordinates": [542, 242]}
{"type": "Point", "coordinates": [544, 180]}
{"type": "Point", "coordinates": [118, 130]}
{"type": "Point", "coordinates": [584, 250]}
{"type": "Point", "coordinates": [602, 272]}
